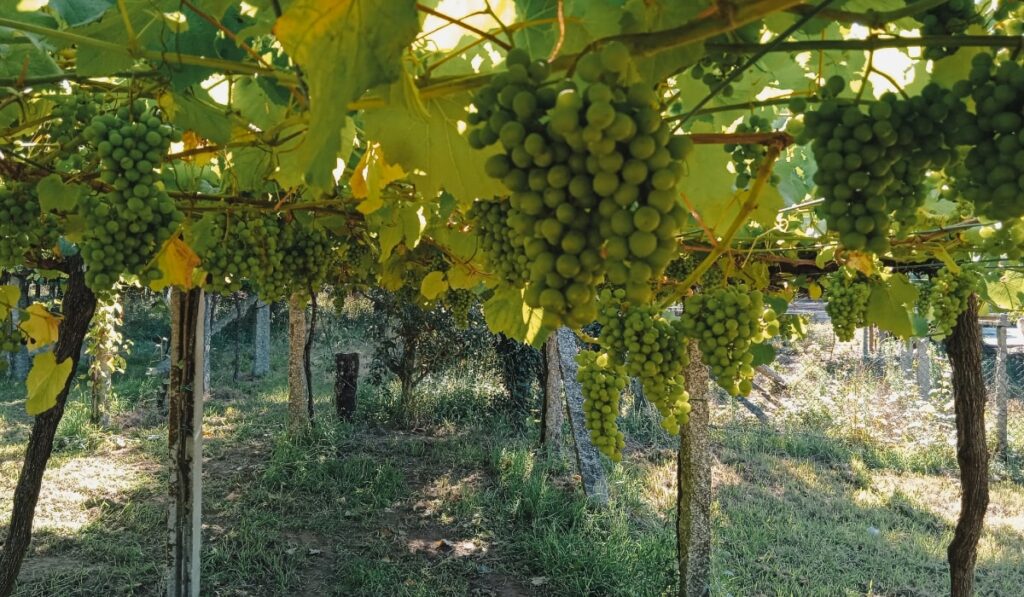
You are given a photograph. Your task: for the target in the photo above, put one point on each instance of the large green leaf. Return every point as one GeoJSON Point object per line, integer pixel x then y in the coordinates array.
{"type": "Point", "coordinates": [344, 48]}
{"type": "Point", "coordinates": [1007, 292]}
{"type": "Point", "coordinates": [585, 21]}
{"type": "Point", "coordinates": [506, 313]}
{"type": "Point", "coordinates": [80, 12]}
{"type": "Point", "coordinates": [439, 157]}
{"type": "Point", "coordinates": [888, 312]}
{"type": "Point", "coordinates": [54, 195]}
{"type": "Point", "coordinates": [19, 56]}
{"type": "Point", "coordinates": [148, 25]}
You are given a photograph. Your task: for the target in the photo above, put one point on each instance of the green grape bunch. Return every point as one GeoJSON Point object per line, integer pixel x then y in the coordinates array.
{"type": "Point", "coordinates": [591, 170]}
{"type": "Point", "coordinates": [748, 157]}
{"type": "Point", "coordinates": [602, 381]}
{"type": "Point", "coordinates": [503, 249]}
{"type": "Point", "coordinates": [301, 258]}
{"type": "Point", "coordinates": [127, 226]}
{"type": "Point", "coordinates": [459, 303]}
{"type": "Point", "coordinates": [847, 305]}
{"type": "Point", "coordinates": [872, 163]}
{"type": "Point", "coordinates": [947, 295]}
{"type": "Point", "coordinates": [11, 341]}
{"type": "Point", "coordinates": [72, 113]}
{"type": "Point", "coordinates": [727, 322]}
{"type": "Point", "coordinates": [233, 248]}
{"type": "Point", "coordinates": [992, 171]}
{"type": "Point", "coordinates": [949, 18]}
{"type": "Point", "coordinates": [23, 226]}
{"type": "Point", "coordinates": [715, 66]}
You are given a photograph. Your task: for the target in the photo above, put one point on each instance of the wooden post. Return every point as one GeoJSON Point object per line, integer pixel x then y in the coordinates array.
{"type": "Point", "coordinates": [1002, 390]}
{"type": "Point", "coordinates": [261, 341]}
{"type": "Point", "coordinates": [298, 413]}
{"type": "Point", "coordinates": [964, 350]}
{"type": "Point", "coordinates": [346, 382]}
{"type": "Point", "coordinates": [693, 497]}
{"type": "Point", "coordinates": [907, 357]}
{"type": "Point", "coordinates": [185, 441]}
{"type": "Point", "coordinates": [21, 361]}
{"type": "Point", "coordinates": [924, 368]}
{"type": "Point", "coordinates": [554, 406]}
{"type": "Point", "coordinates": [588, 459]}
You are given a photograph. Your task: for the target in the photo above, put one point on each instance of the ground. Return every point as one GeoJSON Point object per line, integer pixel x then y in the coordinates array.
{"type": "Point", "coordinates": [468, 505]}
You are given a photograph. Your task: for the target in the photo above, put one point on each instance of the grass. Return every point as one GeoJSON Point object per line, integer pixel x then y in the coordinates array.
{"type": "Point", "coordinates": [819, 503]}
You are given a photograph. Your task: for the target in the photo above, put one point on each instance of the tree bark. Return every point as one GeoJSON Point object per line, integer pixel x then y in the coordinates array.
{"type": "Point", "coordinates": [298, 415]}
{"type": "Point", "coordinates": [964, 350]}
{"type": "Point", "coordinates": [693, 500]}
{"type": "Point", "coordinates": [346, 383]}
{"type": "Point", "coordinates": [185, 441]}
{"type": "Point", "coordinates": [554, 406]}
{"type": "Point", "coordinates": [1002, 391]}
{"type": "Point", "coordinates": [588, 459]}
{"type": "Point", "coordinates": [78, 308]}
{"type": "Point", "coordinates": [261, 341]}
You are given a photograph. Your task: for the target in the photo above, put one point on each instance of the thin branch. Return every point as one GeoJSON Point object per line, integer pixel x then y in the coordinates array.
{"type": "Point", "coordinates": [765, 48]}
{"type": "Point", "coordinates": [464, 25]}
{"type": "Point", "coordinates": [872, 18]}
{"type": "Point", "coordinates": [878, 43]}
{"type": "Point", "coordinates": [561, 32]}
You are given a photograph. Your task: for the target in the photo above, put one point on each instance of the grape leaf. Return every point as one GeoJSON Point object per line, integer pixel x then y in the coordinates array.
{"type": "Point", "coordinates": [371, 175]}
{"type": "Point", "coordinates": [440, 157]}
{"type": "Point", "coordinates": [45, 381]}
{"type": "Point", "coordinates": [763, 354]}
{"type": "Point", "coordinates": [9, 296]}
{"type": "Point", "coordinates": [54, 195]}
{"type": "Point", "coordinates": [462, 278]}
{"type": "Point", "coordinates": [147, 21]}
{"type": "Point", "coordinates": [80, 12]}
{"type": "Point", "coordinates": [888, 312]}
{"type": "Point", "coordinates": [194, 110]}
{"type": "Point", "coordinates": [40, 326]}
{"type": "Point", "coordinates": [433, 285]}
{"type": "Point", "coordinates": [506, 313]}
{"type": "Point", "coordinates": [20, 57]}
{"type": "Point", "coordinates": [585, 21]}
{"type": "Point", "coordinates": [177, 263]}
{"type": "Point", "coordinates": [344, 47]}
{"type": "Point", "coordinates": [708, 185]}
{"type": "Point", "coordinates": [413, 222]}
{"type": "Point", "coordinates": [1007, 292]}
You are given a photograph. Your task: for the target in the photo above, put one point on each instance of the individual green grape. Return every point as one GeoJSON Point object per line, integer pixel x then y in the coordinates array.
{"type": "Point", "coordinates": [727, 322]}
{"type": "Point", "coordinates": [602, 382]}
{"type": "Point", "coordinates": [847, 304]}
{"type": "Point", "coordinates": [947, 297]}
{"type": "Point", "coordinates": [128, 225]}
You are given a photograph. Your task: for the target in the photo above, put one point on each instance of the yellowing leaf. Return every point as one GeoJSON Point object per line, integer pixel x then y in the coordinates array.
{"type": "Point", "coordinates": [372, 174]}
{"type": "Point", "coordinates": [41, 326]}
{"type": "Point", "coordinates": [9, 296]}
{"type": "Point", "coordinates": [461, 278]}
{"type": "Point", "coordinates": [45, 381]}
{"type": "Point", "coordinates": [861, 262]}
{"type": "Point", "coordinates": [506, 312]}
{"type": "Point", "coordinates": [433, 285]}
{"type": "Point", "coordinates": [344, 48]}
{"type": "Point", "coordinates": [814, 291]}
{"type": "Point", "coordinates": [177, 263]}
